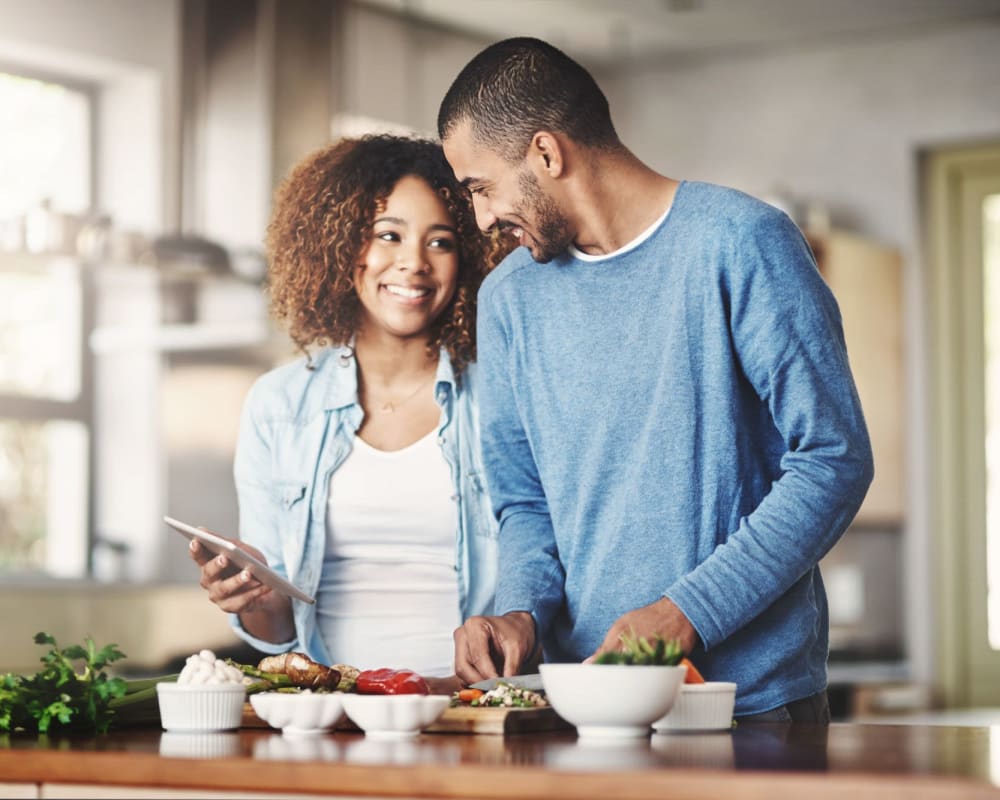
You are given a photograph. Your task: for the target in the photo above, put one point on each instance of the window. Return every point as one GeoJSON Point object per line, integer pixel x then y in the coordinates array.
{"type": "Point", "coordinates": [45, 184]}
{"type": "Point", "coordinates": [45, 143]}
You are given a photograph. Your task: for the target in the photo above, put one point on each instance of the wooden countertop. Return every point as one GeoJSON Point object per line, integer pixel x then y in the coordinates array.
{"type": "Point", "coordinates": [754, 761]}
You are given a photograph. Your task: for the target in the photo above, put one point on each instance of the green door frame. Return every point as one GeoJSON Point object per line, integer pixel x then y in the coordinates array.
{"type": "Point", "coordinates": [955, 182]}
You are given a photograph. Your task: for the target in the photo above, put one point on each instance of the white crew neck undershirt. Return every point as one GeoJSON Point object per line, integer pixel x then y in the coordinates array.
{"type": "Point", "coordinates": [577, 253]}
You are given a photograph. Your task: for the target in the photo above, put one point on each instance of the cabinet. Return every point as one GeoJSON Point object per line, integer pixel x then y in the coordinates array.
{"type": "Point", "coordinates": [866, 278]}
{"type": "Point", "coordinates": [863, 572]}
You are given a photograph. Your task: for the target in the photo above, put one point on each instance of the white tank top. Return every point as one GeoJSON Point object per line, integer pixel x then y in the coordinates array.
{"type": "Point", "coordinates": [388, 596]}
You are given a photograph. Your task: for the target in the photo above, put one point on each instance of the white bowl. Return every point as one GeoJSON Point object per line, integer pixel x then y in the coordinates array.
{"type": "Point", "coordinates": [200, 706]}
{"type": "Point", "coordinates": [611, 700]}
{"type": "Point", "coordinates": [394, 716]}
{"type": "Point", "coordinates": [701, 707]}
{"type": "Point", "coordinates": [299, 713]}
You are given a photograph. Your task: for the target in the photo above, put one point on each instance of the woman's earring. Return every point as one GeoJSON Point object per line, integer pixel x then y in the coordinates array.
{"type": "Point", "coordinates": [346, 356]}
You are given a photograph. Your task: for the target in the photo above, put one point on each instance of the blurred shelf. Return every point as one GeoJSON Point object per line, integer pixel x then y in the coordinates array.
{"type": "Point", "coordinates": [863, 672]}
{"type": "Point", "coordinates": [181, 338]}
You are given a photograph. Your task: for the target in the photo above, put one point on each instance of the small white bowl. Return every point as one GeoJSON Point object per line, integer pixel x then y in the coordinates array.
{"type": "Point", "coordinates": [611, 700]}
{"type": "Point", "coordinates": [299, 713]}
{"type": "Point", "coordinates": [701, 707]}
{"type": "Point", "coordinates": [200, 706]}
{"type": "Point", "coordinates": [394, 716]}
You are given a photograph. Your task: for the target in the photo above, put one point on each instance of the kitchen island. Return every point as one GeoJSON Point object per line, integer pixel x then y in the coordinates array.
{"type": "Point", "coordinates": [753, 761]}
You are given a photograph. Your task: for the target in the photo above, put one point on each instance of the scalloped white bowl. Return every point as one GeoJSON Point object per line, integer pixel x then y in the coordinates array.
{"type": "Point", "coordinates": [299, 713]}
{"type": "Point", "coordinates": [200, 706]}
{"type": "Point", "coordinates": [701, 707]}
{"type": "Point", "coordinates": [394, 716]}
{"type": "Point", "coordinates": [611, 700]}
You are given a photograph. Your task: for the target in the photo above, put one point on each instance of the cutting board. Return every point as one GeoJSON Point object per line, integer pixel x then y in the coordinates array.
{"type": "Point", "coordinates": [466, 719]}
{"type": "Point", "coordinates": [502, 721]}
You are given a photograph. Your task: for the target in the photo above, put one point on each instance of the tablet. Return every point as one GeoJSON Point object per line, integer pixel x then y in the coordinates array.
{"type": "Point", "coordinates": [223, 547]}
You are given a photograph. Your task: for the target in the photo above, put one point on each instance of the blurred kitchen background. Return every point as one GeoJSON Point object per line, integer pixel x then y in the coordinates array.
{"type": "Point", "coordinates": [141, 141]}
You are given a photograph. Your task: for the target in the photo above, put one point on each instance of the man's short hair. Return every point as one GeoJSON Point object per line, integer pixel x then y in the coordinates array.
{"type": "Point", "coordinates": [519, 86]}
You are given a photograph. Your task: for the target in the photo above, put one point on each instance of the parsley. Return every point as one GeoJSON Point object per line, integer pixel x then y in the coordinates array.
{"type": "Point", "coordinates": [58, 697]}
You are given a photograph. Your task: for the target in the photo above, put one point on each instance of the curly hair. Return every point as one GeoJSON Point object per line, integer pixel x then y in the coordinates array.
{"type": "Point", "coordinates": [321, 224]}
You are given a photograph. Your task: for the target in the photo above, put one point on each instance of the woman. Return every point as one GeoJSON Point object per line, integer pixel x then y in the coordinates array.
{"type": "Point", "coordinates": [357, 467]}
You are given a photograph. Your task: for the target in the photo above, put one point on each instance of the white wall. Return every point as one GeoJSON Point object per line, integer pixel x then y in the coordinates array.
{"type": "Point", "coordinates": [129, 52]}
{"type": "Point", "coordinates": [397, 71]}
{"type": "Point", "coordinates": [840, 123]}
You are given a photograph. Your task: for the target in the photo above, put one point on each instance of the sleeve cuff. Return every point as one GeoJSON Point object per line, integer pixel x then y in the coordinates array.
{"type": "Point", "coordinates": [260, 644]}
{"type": "Point", "coordinates": [699, 616]}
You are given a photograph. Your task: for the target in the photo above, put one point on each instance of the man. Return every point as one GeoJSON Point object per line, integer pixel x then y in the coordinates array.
{"type": "Point", "coordinates": [671, 433]}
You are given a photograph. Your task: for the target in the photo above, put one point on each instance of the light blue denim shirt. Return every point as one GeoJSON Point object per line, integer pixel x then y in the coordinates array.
{"type": "Point", "coordinates": [297, 427]}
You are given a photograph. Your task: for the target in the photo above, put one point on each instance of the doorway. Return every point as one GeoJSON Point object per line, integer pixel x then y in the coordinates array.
{"type": "Point", "coordinates": [963, 214]}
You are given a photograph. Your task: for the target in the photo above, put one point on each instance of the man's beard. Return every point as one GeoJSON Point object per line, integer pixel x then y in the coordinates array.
{"type": "Point", "coordinates": [553, 228]}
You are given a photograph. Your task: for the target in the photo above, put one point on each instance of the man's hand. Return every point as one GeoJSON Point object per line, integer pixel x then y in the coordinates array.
{"type": "Point", "coordinates": [662, 618]}
{"type": "Point", "coordinates": [493, 647]}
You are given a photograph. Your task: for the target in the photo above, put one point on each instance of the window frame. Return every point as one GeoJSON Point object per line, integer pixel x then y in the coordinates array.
{"type": "Point", "coordinates": [25, 408]}
{"type": "Point", "coordinates": [953, 179]}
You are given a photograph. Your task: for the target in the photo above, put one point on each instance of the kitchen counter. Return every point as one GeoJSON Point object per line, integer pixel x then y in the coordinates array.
{"type": "Point", "coordinates": [753, 761]}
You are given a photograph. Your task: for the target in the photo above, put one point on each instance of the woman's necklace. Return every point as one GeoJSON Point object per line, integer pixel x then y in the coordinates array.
{"type": "Point", "coordinates": [390, 406]}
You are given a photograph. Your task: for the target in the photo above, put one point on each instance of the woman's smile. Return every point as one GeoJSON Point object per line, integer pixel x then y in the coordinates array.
{"type": "Point", "coordinates": [408, 295]}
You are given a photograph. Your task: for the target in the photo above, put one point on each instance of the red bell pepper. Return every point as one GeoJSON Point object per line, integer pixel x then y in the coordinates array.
{"type": "Point", "coordinates": [390, 681]}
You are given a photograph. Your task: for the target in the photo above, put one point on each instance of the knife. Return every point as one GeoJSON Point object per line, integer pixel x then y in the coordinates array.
{"type": "Point", "coordinates": [532, 683]}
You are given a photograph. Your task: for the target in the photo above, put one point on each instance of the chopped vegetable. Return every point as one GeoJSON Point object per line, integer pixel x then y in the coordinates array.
{"type": "Point", "coordinates": [640, 651]}
{"type": "Point", "coordinates": [692, 676]}
{"type": "Point", "coordinates": [469, 695]}
{"type": "Point", "coordinates": [57, 697]}
{"type": "Point", "coordinates": [390, 681]}
{"type": "Point", "coordinates": [505, 695]}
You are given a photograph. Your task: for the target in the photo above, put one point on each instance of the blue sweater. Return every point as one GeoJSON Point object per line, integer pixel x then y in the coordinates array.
{"type": "Point", "coordinates": [675, 419]}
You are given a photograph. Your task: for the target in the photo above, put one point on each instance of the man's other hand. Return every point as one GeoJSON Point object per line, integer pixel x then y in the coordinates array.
{"type": "Point", "coordinates": [662, 618]}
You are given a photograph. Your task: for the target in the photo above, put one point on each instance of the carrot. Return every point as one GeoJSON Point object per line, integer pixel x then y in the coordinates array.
{"type": "Point", "coordinates": [692, 676]}
{"type": "Point", "coordinates": [468, 695]}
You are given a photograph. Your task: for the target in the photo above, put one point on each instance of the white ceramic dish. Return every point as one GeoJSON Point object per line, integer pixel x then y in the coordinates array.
{"type": "Point", "coordinates": [186, 707]}
{"type": "Point", "coordinates": [299, 713]}
{"type": "Point", "coordinates": [611, 700]}
{"type": "Point", "coordinates": [394, 716]}
{"type": "Point", "coordinates": [701, 707]}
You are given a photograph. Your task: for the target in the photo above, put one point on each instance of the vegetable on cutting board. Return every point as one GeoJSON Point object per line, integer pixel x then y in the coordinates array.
{"type": "Point", "coordinates": [468, 695]}
{"type": "Point", "coordinates": [504, 695]}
